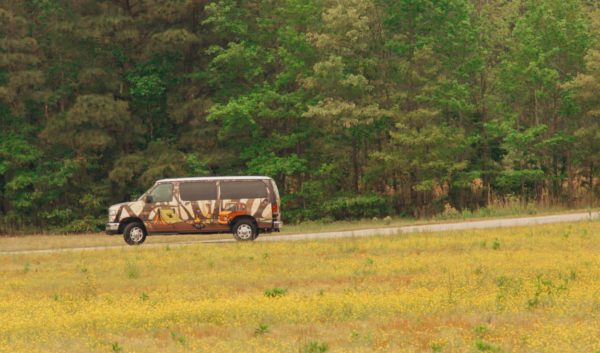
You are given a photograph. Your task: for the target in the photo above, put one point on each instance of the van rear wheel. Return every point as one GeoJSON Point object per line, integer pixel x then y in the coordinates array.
{"type": "Point", "coordinates": [245, 230]}
{"type": "Point", "coordinates": [134, 233]}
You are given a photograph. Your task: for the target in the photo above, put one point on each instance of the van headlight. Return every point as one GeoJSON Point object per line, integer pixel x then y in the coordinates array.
{"type": "Point", "coordinates": [112, 213]}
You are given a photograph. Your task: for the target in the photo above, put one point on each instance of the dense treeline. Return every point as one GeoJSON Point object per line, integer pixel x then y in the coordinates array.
{"type": "Point", "coordinates": [356, 107]}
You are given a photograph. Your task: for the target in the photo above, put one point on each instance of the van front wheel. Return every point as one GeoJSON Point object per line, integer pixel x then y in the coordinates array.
{"type": "Point", "coordinates": [244, 230]}
{"type": "Point", "coordinates": [134, 234]}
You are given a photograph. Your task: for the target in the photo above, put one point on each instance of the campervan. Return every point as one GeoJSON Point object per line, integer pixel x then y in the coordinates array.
{"type": "Point", "coordinates": [244, 206]}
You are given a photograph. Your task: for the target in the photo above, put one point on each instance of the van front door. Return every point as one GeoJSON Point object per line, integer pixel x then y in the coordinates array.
{"type": "Point", "coordinates": [163, 215]}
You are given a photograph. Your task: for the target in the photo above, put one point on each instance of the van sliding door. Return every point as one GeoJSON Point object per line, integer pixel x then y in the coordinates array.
{"type": "Point", "coordinates": [199, 199]}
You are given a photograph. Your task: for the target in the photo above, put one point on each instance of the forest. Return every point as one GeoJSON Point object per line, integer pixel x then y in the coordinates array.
{"type": "Point", "coordinates": [357, 108]}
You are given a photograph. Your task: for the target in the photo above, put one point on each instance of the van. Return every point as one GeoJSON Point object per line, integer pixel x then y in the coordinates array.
{"type": "Point", "coordinates": [245, 206]}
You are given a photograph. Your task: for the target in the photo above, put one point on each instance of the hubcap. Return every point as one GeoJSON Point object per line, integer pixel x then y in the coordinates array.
{"type": "Point", "coordinates": [136, 234]}
{"type": "Point", "coordinates": [244, 231]}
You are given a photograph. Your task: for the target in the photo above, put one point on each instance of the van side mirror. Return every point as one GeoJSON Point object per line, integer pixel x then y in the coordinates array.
{"type": "Point", "coordinates": [149, 199]}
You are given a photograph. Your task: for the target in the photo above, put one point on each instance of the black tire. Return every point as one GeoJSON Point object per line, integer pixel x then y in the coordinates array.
{"type": "Point", "coordinates": [132, 234]}
{"type": "Point", "coordinates": [244, 230]}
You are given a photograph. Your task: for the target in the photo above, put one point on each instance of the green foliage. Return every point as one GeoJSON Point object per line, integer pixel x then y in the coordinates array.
{"type": "Point", "coordinates": [437, 347]}
{"type": "Point", "coordinates": [146, 87]}
{"type": "Point", "coordinates": [356, 207]}
{"type": "Point", "coordinates": [116, 347]}
{"type": "Point", "coordinates": [262, 329]}
{"type": "Point", "coordinates": [84, 225]}
{"type": "Point", "coordinates": [480, 330]}
{"type": "Point", "coordinates": [275, 292]}
{"type": "Point", "coordinates": [277, 166]}
{"type": "Point", "coordinates": [547, 289]}
{"type": "Point", "coordinates": [358, 109]}
{"type": "Point", "coordinates": [159, 160]}
{"type": "Point", "coordinates": [315, 347]}
{"type": "Point", "coordinates": [484, 346]}
{"type": "Point", "coordinates": [178, 338]}
{"type": "Point", "coordinates": [496, 244]}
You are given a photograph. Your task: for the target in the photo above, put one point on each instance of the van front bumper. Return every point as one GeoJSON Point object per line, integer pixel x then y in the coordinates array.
{"type": "Point", "coordinates": [112, 228]}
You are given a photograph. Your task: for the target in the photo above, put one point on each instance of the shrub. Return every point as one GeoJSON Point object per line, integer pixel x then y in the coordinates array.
{"type": "Point", "coordinates": [275, 292]}
{"type": "Point", "coordinates": [315, 347]}
{"type": "Point", "coordinates": [356, 207]}
{"type": "Point", "coordinates": [484, 346]}
{"type": "Point", "coordinates": [261, 329]}
{"type": "Point", "coordinates": [496, 244]}
{"type": "Point", "coordinates": [437, 347]}
{"type": "Point", "coordinates": [85, 225]}
{"type": "Point", "coordinates": [116, 347]}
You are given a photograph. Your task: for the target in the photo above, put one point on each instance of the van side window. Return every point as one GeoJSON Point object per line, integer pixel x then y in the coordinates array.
{"type": "Point", "coordinates": [162, 193]}
{"type": "Point", "coordinates": [251, 189]}
{"type": "Point", "coordinates": [195, 191]}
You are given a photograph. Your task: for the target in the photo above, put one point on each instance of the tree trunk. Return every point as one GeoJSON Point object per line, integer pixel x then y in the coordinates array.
{"type": "Point", "coordinates": [570, 175]}
{"type": "Point", "coordinates": [355, 166]}
{"type": "Point", "coordinates": [3, 204]}
{"type": "Point", "coordinates": [591, 177]}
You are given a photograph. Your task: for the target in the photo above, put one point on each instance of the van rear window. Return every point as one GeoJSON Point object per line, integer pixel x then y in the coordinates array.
{"type": "Point", "coordinates": [195, 191]}
{"type": "Point", "coordinates": [251, 189]}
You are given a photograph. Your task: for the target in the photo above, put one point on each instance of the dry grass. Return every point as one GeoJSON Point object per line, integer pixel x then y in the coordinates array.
{"type": "Point", "coordinates": [40, 242]}
{"type": "Point", "coordinates": [531, 289]}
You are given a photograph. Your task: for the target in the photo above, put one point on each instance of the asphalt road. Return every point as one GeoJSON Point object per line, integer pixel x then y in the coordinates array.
{"type": "Point", "coordinates": [439, 227]}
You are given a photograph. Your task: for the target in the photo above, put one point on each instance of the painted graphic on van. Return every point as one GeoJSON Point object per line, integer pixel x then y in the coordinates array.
{"type": "Point", "coordinates": [204, 206]}
{"type": "Point", "coordinates": [245, 206]}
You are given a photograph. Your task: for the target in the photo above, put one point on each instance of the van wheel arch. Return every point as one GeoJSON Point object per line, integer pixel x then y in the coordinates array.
{"type": "Point", "coordinates": [128, 220]}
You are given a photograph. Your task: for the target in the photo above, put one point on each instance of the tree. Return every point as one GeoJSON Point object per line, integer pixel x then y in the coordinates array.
{"type": "Point", "coordinates": [343, 79]}
{"type": "Point", "coordinates": [434, 64]}
{"type": "Point", "coordinates": [547, 48]}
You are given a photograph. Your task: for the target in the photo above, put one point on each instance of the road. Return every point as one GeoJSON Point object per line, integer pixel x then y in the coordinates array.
{"type": "Point", "coordinates": [439, 227]}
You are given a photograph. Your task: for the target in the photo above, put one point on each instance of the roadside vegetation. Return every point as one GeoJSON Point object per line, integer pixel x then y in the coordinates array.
{"type": "Point", "coordinates": [528, 289]}
{"type": "Point", "coordinates": [22, 240]}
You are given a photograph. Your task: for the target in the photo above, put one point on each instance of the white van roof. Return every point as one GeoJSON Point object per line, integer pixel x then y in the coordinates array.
{"type": "Point", "coordinates": [252, 177]}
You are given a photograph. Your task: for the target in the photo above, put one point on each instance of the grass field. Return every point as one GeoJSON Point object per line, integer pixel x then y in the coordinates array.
{"type": "Point", "coordinates": [530, 289]}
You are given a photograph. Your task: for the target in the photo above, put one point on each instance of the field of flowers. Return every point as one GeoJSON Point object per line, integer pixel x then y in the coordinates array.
{"type": "Point", "coordinates": [530, 289]}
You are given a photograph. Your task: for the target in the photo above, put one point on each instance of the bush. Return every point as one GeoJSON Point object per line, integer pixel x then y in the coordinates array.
{"type": "Point", "coordinates": [84, 225]}
{"type": "Point", "coordinates": [297, 215]}
{"type": "Point", "coordinates": [262, 329]}
{"type": "Point", "coordinates": [357, 207]}
{"type": "Point", "coordinates": [315, 347]}
{"type": "Point", "coordinates": [275, 292]}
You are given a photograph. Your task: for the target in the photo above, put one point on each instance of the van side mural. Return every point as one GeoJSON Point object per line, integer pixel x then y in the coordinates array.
{"type": "Point", "coordinates": [230, 211]}
{"type": "Point", "coordinates": [253, 207]}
